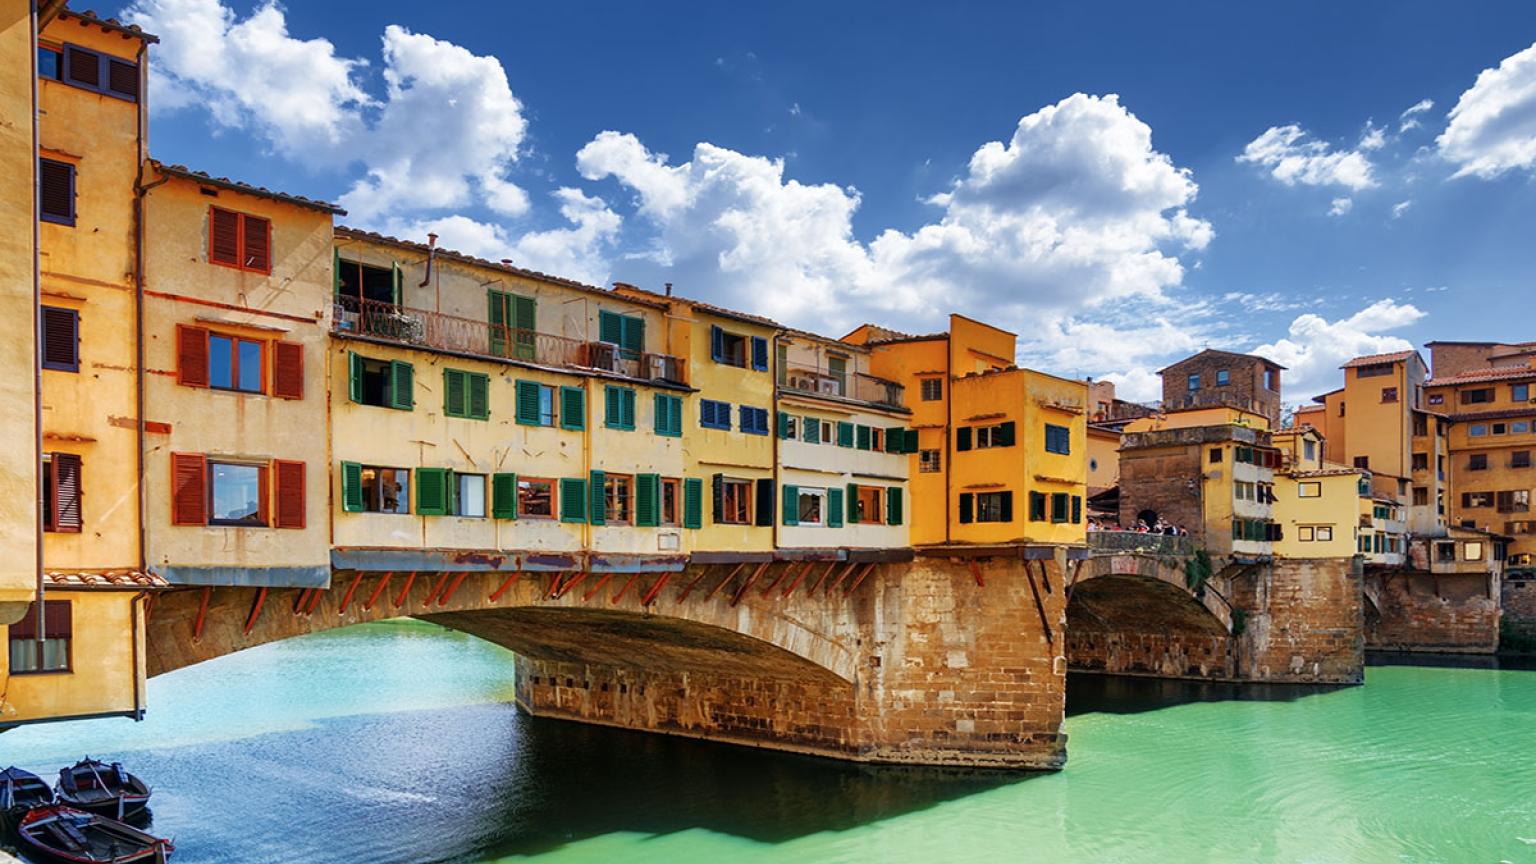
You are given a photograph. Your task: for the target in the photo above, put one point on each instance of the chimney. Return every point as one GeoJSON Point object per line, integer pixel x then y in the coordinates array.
{"type": "Point", "coordinates": [669, 289]}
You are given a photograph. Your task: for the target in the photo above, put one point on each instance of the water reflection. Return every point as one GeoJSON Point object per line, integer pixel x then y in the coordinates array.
{"type": "Point", "coordinates": [1114, 694]}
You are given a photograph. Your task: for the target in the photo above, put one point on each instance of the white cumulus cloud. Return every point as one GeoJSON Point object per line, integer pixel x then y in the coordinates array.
{"type": "Point", "coordinates": [1293, 158]}
{"type": "Point", "coordinates": [1492, 127]}
{"type": "Point", "coordinates": [1340, 206]}
{"type": "Point", "coordinates": [1314, 348]}
{"type": "Point", "coordinates": [1409, 119]}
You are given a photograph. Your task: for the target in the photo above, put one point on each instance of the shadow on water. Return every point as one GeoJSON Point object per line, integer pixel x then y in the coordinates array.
{"type": "Point", "coordinates": [1123, 694]}
{"type": "Point", "coordinates": [1513, 662]}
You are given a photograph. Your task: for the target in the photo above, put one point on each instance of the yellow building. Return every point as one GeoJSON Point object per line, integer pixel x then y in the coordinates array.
{"type": "Point", "coordinates": [486, 408]}
{"type": "Point", "coordinates": [1188, 418]}
{"type": "Point", "coordinates": [236, 311]}
{"type": "Point", "coordinates": [843, 448]}
{"type": "Point", "coordinates": [79, 653]}
{"type": "Point", "coordinates": [1103, 458]}
{"type": "Point", "coordinates": [1215, 482]}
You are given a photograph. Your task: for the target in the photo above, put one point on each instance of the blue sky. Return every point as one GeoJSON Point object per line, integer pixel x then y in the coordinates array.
{"type": "Point", "coordinates": [1257, 183]}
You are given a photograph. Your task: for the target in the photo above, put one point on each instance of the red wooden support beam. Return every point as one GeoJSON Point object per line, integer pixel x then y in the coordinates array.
{"type": "Point", "coordinates": [835, 583]}
{"type": "Point", "coordinates": [1045, 578]}
{"type": "Point", "coordinates": [405, 591]}
{"type": "Point", "coordinates": [655, 589]}
{"type": "Point", "coordinates": [976, 573]}
{"type": "Point", "coordinates": [314, 600]}
{"type": "Point", "coordinates": [575, 579]}
{"type": "Point", "coordinates": [788, 569]}
{"type": "Point", "coordinates": [592, 592]}
{"type": "Point", "coordinates": [1077, 571]}
{"type": "Point", "coordinates": [1045, 624]}
{"type": "Point", "coordinates": [554, 585]}
{"type": "Point", "coordinates": [703, 571]}
{"type": "Point", "coordinates": [750, 580]}
{"type": "Point", "coordinates": [804, 572]}
{"type": "Point", "coordinates": [250, 620]}
{"type": "Point", "coordinates": [379, 589]}
{"type": "Point", "coordinates": [437, 587]}
{"type": "Point", "coordinates": [346, 599]}
{"type": "Point", "coordinates": [300, 601]}
{"type": "Point", "coordinates": [448, 595]}
{"type": "Point", "coordinates": [506, 583]}
{"type": "Point", "coordinates": [868, 568]}
{"type": "Point", "coordinates": [728, 578]}
{"type": "Point", "coordinates": [202, 614]}
{"type": "Point", "coordinates": [619, 596]}
{"type": "Point", "coordinates": [823, 578]}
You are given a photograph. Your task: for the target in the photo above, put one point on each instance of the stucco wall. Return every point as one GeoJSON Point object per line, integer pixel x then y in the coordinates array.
{"type": "Point", "coordinates": [107, 655]}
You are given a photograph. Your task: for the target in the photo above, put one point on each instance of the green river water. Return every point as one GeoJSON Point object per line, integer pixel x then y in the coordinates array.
{"type": "Point", "coordinates": [394, 742]}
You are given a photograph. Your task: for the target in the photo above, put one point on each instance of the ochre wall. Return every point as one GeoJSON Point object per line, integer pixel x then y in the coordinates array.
{"type": "Point", "coordinates": [107, 654]}
{"type": "Point", "coordinates": [908, 363]}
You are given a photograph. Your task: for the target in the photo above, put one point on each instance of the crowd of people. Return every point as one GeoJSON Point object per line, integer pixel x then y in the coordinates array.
{"type": "Point", "coordinates": [1160, 526]}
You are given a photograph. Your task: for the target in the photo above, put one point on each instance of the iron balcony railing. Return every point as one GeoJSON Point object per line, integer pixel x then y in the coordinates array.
{"type": "Point", "coordinates": [1137, 541]}
{"type": "Point", "coordinates": [849, 385]}
{"type": "Point", "coordinates": [418, 327]}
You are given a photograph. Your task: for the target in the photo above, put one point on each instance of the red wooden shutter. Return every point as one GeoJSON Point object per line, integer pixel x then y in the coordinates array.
{"type": "Point", "coordinates": [288, 370]}
{"type": "Point", "coordinates": [191, 356]}
{"type": "Point", "coordinates": [223, 237]}
{"type": "Point", "coordinates": [290, 493]}
{"type": "Point", "coordinates": [66, 493]}
{"type": "Point", "coordinates": [256, 238]}
{"type": "Point", "coordinates": [264, 495]}
{"type": "Point", "coordinates": [189, 489]}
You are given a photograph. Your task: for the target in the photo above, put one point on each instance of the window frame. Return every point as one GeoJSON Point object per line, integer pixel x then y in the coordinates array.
{"type": "Point", "coordinates": [860, 516]}
{"type": "Point", "coordinates": [263, 492]}
{"type": "Point", "coordinates": [675, 519]}
{"type": "Point", "coordinates": [525, 486]}
{"type": "Point", "coordinates": [457, 503]}
{"type": "Point", "coordinates": [746, 492]}
{"type": "Point", "coordinates": [39, 646]}
{"type": "Point", "coordinates": [372, 493]}
{"type": "Point", "coordinates": [620, 486]}
{"type": "Point", "coordinates": [1063, 435]}
{"type": "Point", "coordinates": [235, 341]}
{"type": "Point", "coordinates": [68, 220]}
{"type": "Point", "coordinates": [985, 502]}
{"type": "Point", "coordinates": [931, 389]}
{"type": "Point", "coordinates": [818, 493]}
{"type": "Point", "coordinates": [1192, 382]}
{"type": "Point", "coordinates": [56, 315]}
{"type": "Point", "coordinates": [930, 461]}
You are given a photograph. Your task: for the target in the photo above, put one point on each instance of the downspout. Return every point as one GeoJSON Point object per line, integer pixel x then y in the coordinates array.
{"type": "Point", "coordinates": [140, 190]}
{"type": "Point", "coordinates": [37, 338]}
{"type": "Point", "coordinates": [426, 278]}
{"type": "Point", "coordinates": [949, 429]}
{"type": "Point", "coordinates": [775, 428]}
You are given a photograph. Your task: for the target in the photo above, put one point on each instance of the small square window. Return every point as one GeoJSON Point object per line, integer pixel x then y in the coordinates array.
{"type": "Point", "coordinates": [931, 389]}
{"type": "Point", "coordinates": [535, 498]}
{"type": "Point", "coordinates": [469, 495]}
{"type": "Point", "coordinates": [1223, 378]}
{"type": "Point", "coordinates": [235, 494]}
{"type": "Point", "coordinates": [811, 505]}
{"type": "Point", "coordinates": [1194, 382]}
{"type": "Point", "coordinates": [928, 461]}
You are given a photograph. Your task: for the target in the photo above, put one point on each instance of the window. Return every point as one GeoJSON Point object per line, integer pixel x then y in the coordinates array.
{"type": "Point", "coordinates": [358, 281]}
{"type": "Point", "coordinates": [1363, 462]}
{"type": "Point", "coordinates": [994, 507]}
{"type": "Point", "coordinates": [1341, 408]}
{"type": "Point", "coordinates": [1194, 382]}
{"type": "Point", "coordinates": [1244, 491]}
{"type": "Point", "coordinates": [535, 404]}
{"type": "Point", "coordinates": [931, 389]}
{"type": "Point", "coordinates": [1520, 427]}
{"type": "Point", "coordinates": [669, 415]}
{"type": "Point", "coordinates": [1520, 459]}
{"type": "Point", "coordinates": [383, 383]}
{"type": "Point", "coordinates": [1420, 462]}
{"type": "Point", "coordinates": [1389, 394]}
{"type": "Point", "coordinates": [868, 505]}
{"type": "Point", "coordinates": [789, 426]}
{"type": "Point", "coordinates": [50, 63]}
{"type": "Point", "coordinates": [513, 319]}
{"type": "Point", "coordinates": [1309, 489]}
{"type": "Point", "coordinates": [845, 434]}
{"type": "Point", "coordinates": [754, 421]}
{"type": "Point", "coordinates": [1037, 506]}
{"type": "Point", "coordinates": [999, 435]}
{"type": "Point", "coordinates": [618, 498]}
{"type": "Point", "coordinates": [714, 415]}
{"type": "Point", "coordinates": [1499, 428]}
{"type": "Point", "coordinates": [573, 408]}
{"type": "Point", "coordinates": [1477, 397]}
{"type": "Point", "coordinates": [928, 461]}
{"type": "Point", "coordinates": [61, 493]}
{"type": "Point", "coordinates": [1524, 527]}
{"type": "Point", "coordinates": [1472, 551]}
{"type": "Point", "coordinates": [730, 348]}
{"type": "Point", "coordinates": [1060, 501]}
{"type": "Point", "coordinates": [99, 73]}
{"type": "Point", "coordinates": [1519, 392]}
{"type": "Point", "coordinates": [1324, 533]}
{"type": "Point", "coordinates": [1215, 456]}
{"type": "Point", "coordinates": [876, 439]}
{"type": "Point", "coordinates": [1308, 449]}
{"type": "Point", "coordinates": [468, 495]}
{"type": "Point", "coordinates": [1470, 500]}
{"type": "Point", "coordinates": [1514, 501]}
{"type": "Point", "coordinates": [466, 394]}
{"type": "Point", "coordinates": [625, 331]}
{"type": "Point", "coordinates": [733, 502]}
{"type": "Point", "coordinates": [671, 500]}
{"type": "Point", "coordinates": [1477, 462]}
{"type": "Point", "coordinates": [236, 493]}
{"type": "Point", "coordinates": [810, 505]}
{"type": "Point", "coordinates": [618, 407]}
{"type": "Point", "coordinates": [1058, 439]}
{"type": "Point", "coordinates": [1421, 496]}
{"type": "Point", "coordinates": [1374, 370]}
{"type": "Point", "coordinates": [1420, 425]}
{"type": "Point", "coordinates": [1445, 552]}
{"type": "Point", "coordinates": [56, 192]}
{"type": "Point", "coordinates": [811, 431]}
{"type": "Point", "coordinates": [47, 651]}
{"type": "Point", "coordinates": [1305, 533]}
{"type": "Point", "coordinates": [1271, 380]}
{"type": "Point", "coordinates": [234, 363]}
{"type": "Point", "coordinates": [1223, 378]}
{"type": "Point", "coordinates": [61, 339]}
{"type": "Point", "coordinates": [535, 498]}
{"type": "Point", "coordinates": [379, 490]}
{"type": "Point", "coordinates": [239, 240]}
{"type": "Point", "coordinates": [837, 370]}
{"type": "Point", "coordinates": [1437, 398]}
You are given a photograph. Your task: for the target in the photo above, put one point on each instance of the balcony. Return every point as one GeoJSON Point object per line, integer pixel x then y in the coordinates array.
{"type": "Point", "coordinates": [1108, 542]}
{"type": "Point", "coordinates": [419, 328]}
{"type": "Point", "coordinates": [855, 386]}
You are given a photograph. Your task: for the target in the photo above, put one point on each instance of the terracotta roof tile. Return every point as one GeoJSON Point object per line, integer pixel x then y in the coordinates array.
{"type": "Point", "coordinates": [112, 24]}
{"type": "Point", "coordinates": [236, 186]}
{"type": "Point", "coordinates": [1479, 375]}
{"type": "Point", "coordinates": [105, 579]}
{"type": "Point", "coordinates": [1373, 359]}
{"type": "Point", "coordinates": [1493, 415]}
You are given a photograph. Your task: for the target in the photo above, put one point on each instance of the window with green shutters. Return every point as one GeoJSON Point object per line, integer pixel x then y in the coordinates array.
{"type": "Point", "coordinates": [791, 504]}
{"type": "Point", "coordinates": [535, 404]}
{"type": "Point", "coordinates": [466, 394]}
{"type": "Point", "coordinates": [351, 487]}
{"type": "Point", "coordinates": [573, 499]}
{"type": "Point", "coordinates": [895, 440]}
{"type": "Point", "coordinates": [432, 491]}
{"type": "Point", "coordinates": [1059, 506]}
{"type": "Point", "coordinates": [844, 434]}
{"type": "Point", "coordinates": [835, 508]}
{"type": "Point", "coordinates": [647, 500]}
{"type": "Point", "coordinates": [693, 502]}
{"type": "Point", "coordinates": [618, 407]}
{"type": "Point", "coordinates": [573, 408]}
{"type": "Point", "coordinates": [512, 319]}
{"type": "Point", "coordinates": [384, 383]}
{"type": "Point", "coordinates": [810, 430]}
{"type": "Point", "coordinates": [625, 331]}
{"type": "Point", "coordinates": [909, 444]}
{"type": "Point", "coordinates": [504, 496]}
{"type": "Point", "coordinates": [598, 483]}
{"type": "Point", "coordinates": [862, 438]}
{"type": "Point", "coordinates": [1037, 506]}
{"type": "Point", "coordinates": [893, 501]}
{"type": "Point", "coordinates": [669, 415]}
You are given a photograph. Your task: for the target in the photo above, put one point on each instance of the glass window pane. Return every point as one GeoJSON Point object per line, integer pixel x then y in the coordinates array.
{"type": "Point", "coordinates": [48, 62]}
{"type": "Point", "coordinates": [236, 493]}
{"type": "Point", "coordinates": [221, 369]}
{"type": "Point", "coordinates": [55, 653]}
{"type": "Point", "coordinates": [23, 655]}
{"type": "Point", "coordinates": [535, 498]}
{"type": "Point", "coordinates": [471, 494]}
{"type": "Point", "coordinates": [395, 490]}
{"type": "Point", "coordinates": [250, 366]}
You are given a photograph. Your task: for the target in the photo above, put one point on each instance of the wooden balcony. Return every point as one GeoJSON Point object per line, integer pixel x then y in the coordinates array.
{"type": "Point", "coordinates": [419, 328]}
{"type": "Point", "coordinates": [851, 385]}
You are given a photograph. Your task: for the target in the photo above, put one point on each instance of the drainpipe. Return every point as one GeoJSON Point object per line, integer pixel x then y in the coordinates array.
{"type": "Point", "coordinates": [140, 190]}
{"type": "Point", "coordinates": [949, 429]}
{"type": "Point", "coordinates": [773, 410]}
{"type": "Point", "coordinates": [37, 336]}
{"type": "Point", "coordinates": [426, 278]}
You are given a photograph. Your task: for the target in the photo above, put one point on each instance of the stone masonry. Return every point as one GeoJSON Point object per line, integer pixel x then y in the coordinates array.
{"type": "Point", "coordinates": [1454, 613]}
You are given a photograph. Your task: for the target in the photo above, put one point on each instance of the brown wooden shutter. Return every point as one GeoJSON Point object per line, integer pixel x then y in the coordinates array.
{"type": "Point", "coordinates": [290, 493]}
{"type": "Point", "coordinates": [61, 339]}
{"type": "Point", "coordinates": [66, 493]}
{"type": "Point", "coordinates": [191, 356]}
{"type": "Point", "coordinates": [288, 370]}
{"type": "Point", "coordinates": [82, 67]}
{"type": "Point", "coordinates": [56, 191]}
{"type": "Point", "coordinates": [189, 489]}
{"type": "Point", "coordinates": [264, 494]}
{"type": "Point", "coordinates": [56, 618]}
{"type": "Point", "coordinates": [223, 237]}
{"type": "Point", "coordinates": [123, 78]}
{"type": "Point", "coordinates": [256, 241]}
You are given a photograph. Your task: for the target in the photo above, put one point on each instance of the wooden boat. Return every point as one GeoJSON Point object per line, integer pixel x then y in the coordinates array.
{"type": "Point", "coordinates": [97, 787]}
{"type": "Point", "coordinates": [20, 791]}
{"type": "Point", "coordinates": [64, 834]}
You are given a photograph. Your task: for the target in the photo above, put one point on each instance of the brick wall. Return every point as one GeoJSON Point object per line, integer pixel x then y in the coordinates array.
{"type": "Point", "coordinates": [1245, 388]}
{"type": "Point", "coordinates": [1518, 626]}
{"type": "Point", "coordinates": [1305, 624]}
{"type": "Point", "coordinates": [1165, 480]}
{"type": "Point", "coordinates": [1417, 611]}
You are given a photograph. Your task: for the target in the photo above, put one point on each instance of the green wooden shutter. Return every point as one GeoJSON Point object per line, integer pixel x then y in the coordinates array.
{"type": "Point", "coordinates": [496, 314]}
{"type": "Point", "coordinates": [335, 272]}
{"type": "Point", "coordinates": [480, 396]}
{"type": "Point", "coordinates": [1004, 432]}
{"type": "Point", "coordinates": [610, 328]}
{"type": "Point", "coordinates": [791, 505]}
{"type": "Point", "coordinates": [455, 393]}
{"type": "Point", "coordinates": [895, 437]}
{"type": "Point", "coordinates": [504, 496]}
{"type": "Point", "coordinates": [853, 503]}
{"type": "Point", "coordinates": [1077, 509]}
{"type": "Point", "coordinates": [401, 385]}
{"type": "Point", "coordinates": [528, 403]}
{"type": "Point", "coordinates": [394, 284]}
{"type": "Point", "coordinates": [628, 401]}
{"type": "Point", "coordinates": [967, 508]}
{"type": "Point", "coordinates": [844, 434]}
{"type": "Point", "coordinates": [355, 376]}
{"type": "Point", "coordinates": [910, 445]}
{"type": "Point", "coordinates": [612, 410]}
{"type": "Point", "coordinates": [693, 502]}
{"type": "Point", "coordinates": [351, 487]}
{"type": "Point", "coordinates": [633, 335]}
{"type": "Point", "coordinates": [893, 505]}
{"type": "Point", "coordinates": [812, 428]}
{"type": "Point", "coordinates": [432, 491]}
{"type": "Point", "coordinates": [834, 508]}
{"type": "Point", "coordinates": [783, 424]}
{"type": "Point", "coordinates": [573, 499]}
{"type": "Point", "coordinates": [599, 497]}
{"type": "Point", "coordinates": [669, 415]}
{"type": "Point", "coordinates": [863, 437]}
{"type": "Point", "coordinates": [524, 321]}
{"type": "Point", "coordinates": [573, 408]}
{"type": "Point", "coordinates": [647, 500]}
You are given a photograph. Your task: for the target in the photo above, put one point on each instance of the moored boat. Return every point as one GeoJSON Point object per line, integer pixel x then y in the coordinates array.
{"type": "Point", "coordinates": [20, 791]}
{"type": "Point", "coordinates": [97, 787]}
{"type": "Point", "coordinates": [64, 834]}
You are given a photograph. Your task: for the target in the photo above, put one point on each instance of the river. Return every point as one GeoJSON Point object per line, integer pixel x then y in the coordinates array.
{"type": "Point", "coordinates": [395, 742]}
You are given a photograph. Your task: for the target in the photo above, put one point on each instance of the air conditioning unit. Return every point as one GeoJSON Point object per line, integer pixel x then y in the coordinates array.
{"type": "Point", "coordinates": [604, 356]}
{"type": "Point", "coordinates": [802, 382]}
{"type": "Point", "coordinates": [659, 369]}
{"type": "Point", "coordinates": [830, 387]}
